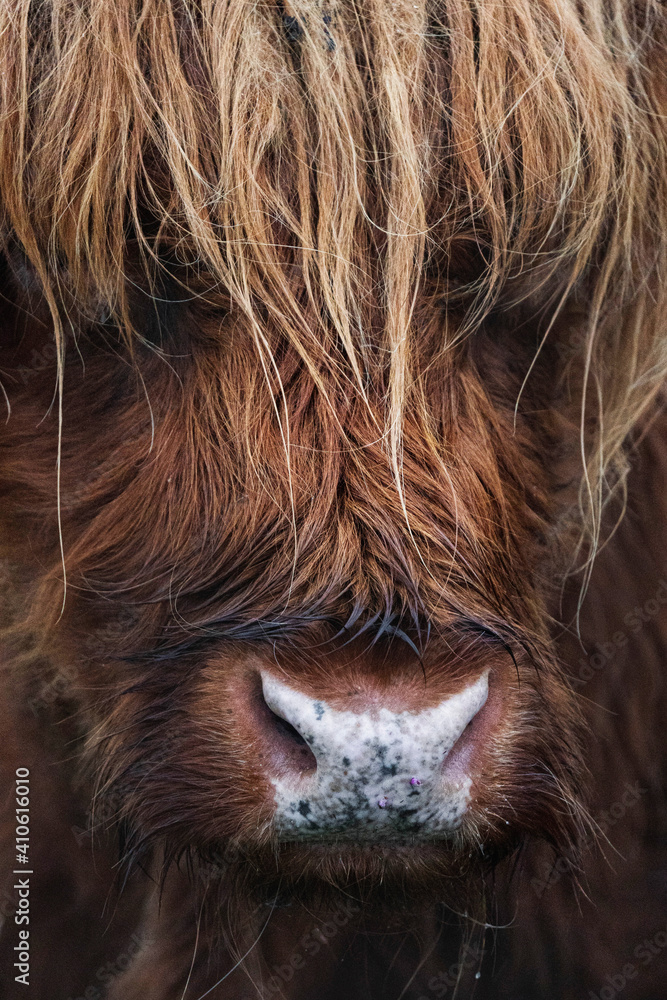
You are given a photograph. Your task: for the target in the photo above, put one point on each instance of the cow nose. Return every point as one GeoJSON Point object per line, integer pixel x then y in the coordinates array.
{"type": "Point", "coordinates": [374, 773]}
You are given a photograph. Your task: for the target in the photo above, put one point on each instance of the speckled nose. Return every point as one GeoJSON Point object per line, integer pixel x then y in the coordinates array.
{"type": "Point", "coordinates": [379, 774]}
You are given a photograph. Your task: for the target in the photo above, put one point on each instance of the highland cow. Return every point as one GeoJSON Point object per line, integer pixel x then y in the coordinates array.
{"type": "Point", "coordinates": [333, 521]}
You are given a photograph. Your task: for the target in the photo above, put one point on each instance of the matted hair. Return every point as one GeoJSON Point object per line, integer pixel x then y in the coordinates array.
{"type": "Point", "coordinates": [323, 170]}
{"type": "Point", "coordinates": [355, 305]}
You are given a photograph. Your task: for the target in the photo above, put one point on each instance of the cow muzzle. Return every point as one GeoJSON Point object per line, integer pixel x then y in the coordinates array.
{"type": "Point", "coordinates": [372, 773]}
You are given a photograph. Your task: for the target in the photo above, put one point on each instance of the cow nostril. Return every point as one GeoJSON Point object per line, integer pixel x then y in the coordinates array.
{"type": "Point", "coordinates": [285, 727]}
{"type": "Point", "coordinates": [475, 736]}
{"type": "Point", "coordinates": [289, 751]}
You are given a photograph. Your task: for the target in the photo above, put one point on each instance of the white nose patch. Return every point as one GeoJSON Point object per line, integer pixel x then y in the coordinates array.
{"type": "Point", "coordinates": [379, 773]}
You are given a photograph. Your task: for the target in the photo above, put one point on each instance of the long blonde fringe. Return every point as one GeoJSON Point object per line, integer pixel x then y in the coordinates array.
{"type": "Point", "coordinates": [316, 168]}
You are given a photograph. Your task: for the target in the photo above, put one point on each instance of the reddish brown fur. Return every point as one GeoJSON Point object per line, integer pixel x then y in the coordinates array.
{"type": "Point", "coordinates": [329, 359]}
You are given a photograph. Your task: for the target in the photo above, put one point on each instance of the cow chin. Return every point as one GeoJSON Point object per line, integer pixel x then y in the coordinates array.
{"type": "Point", "coordinates": [398, 875]}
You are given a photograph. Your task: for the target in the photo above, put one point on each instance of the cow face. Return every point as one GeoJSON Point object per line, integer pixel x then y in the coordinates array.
{"type": "Point", "coordinates": [309, 663]}
{"type": "Point", "coordinates": [352, 315]}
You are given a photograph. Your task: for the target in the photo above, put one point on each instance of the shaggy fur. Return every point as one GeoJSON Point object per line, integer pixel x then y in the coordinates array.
{"type": "Point", "coordinates": [326, 332]}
